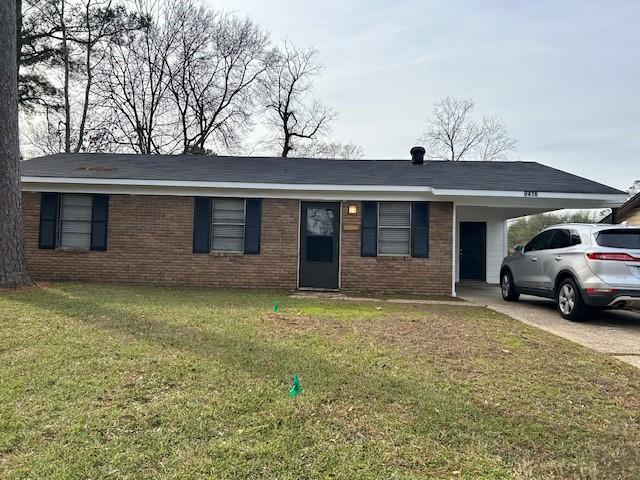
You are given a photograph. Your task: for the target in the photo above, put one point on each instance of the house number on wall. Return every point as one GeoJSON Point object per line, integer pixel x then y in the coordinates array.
{"type": "Point", "coordinates": [530, 194]}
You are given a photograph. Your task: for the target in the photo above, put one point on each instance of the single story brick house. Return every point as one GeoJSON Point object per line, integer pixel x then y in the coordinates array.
{"type": "Point", "coordinates": [386, 225]}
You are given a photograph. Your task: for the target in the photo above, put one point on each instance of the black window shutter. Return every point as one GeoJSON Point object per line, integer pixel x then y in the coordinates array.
{"type": "Point", "coordinates": [252, 226]}
{"type": "Point", "coordinates": [48, 220]}
{"type": "Point", "coordinates": [420, 229]}
{"type": "Point", "coordinates": [201, 224]}
{"type": "Point", "coordinates": [369, 229]}
{"type": "Point", "coordinates": [99, 222]}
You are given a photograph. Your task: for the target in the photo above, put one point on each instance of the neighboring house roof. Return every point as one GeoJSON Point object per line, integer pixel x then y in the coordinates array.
{"type": "Point", "coordinates": [443, 175]}
{"type": "Point", "coordinates": [632, 203]}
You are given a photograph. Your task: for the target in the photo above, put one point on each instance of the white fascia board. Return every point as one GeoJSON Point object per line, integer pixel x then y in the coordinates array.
{"type": "Point", "coordinates": [520, 194]}
{"type": "Point", "coordinates": [235, 190]}
{"type": "Point", "coordinates": [502, 198]}
{"type": "Point", "coordinates": [222, 185]}
{"type": "Point", "coordinates": [542, 200]}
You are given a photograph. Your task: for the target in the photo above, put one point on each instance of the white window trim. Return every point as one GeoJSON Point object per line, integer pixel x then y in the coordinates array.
{"type": "Point", "coordinates": [398, 228]}
{"type": "Point", "coordinates": [212, 225]}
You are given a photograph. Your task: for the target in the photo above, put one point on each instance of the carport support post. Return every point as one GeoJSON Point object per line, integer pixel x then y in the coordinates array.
{"type": "Point", "coordinates": [454, 266]}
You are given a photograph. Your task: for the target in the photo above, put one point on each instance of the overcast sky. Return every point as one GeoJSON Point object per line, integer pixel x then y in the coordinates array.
{"type": "Point", "coordinates": [563, 75]}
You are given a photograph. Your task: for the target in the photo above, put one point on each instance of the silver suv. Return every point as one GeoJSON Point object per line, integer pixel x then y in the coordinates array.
{"type": "Point", "coordinates": [579, 266]}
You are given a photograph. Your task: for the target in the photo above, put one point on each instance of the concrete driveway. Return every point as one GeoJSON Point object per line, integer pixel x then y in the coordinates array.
{"type": "Point", "coordinates": [613, 332]}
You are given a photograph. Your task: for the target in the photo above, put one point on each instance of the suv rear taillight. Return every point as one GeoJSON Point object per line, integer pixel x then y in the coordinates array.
{"type": "Point", "coordinates": [615, 256]}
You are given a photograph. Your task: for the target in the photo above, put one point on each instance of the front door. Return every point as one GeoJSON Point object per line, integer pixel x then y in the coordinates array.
{"type": "Point", "coordinates": [319, 244]}
{"type": "Point", "coordinates": [473, 246]}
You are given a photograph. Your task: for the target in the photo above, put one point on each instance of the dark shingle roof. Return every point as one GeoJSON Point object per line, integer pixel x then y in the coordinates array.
{"type": "Point", "coordinates": [512, 176]}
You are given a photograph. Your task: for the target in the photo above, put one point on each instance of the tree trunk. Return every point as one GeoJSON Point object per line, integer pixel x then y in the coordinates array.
{"type": "Point", "coordinates": [286, 144]}
{"type": "Point", "coordinates": [89, 73]}
{"type": "Point", "coordinates": [13, 268]}
{"type": "Point", "coordinates": [18, 34]}
{"type": "Point", "coordinates": [65, 60]}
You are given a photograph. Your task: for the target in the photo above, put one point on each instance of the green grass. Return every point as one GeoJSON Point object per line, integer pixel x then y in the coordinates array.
{"type": "Point", "coordinates": [141, 382]}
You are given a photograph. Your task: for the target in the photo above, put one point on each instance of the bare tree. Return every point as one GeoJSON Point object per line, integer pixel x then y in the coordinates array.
{"type": "Point", "coordinates": [634, 189]}
{"type": "Point", "coordinates": [195, 35]}
{"type": "Point", "coordinates": [495, 143]}
{"type": "Point", "coordinates": [318, 149]}
{"type": "Point", "coordinates": [44, 132]}
{"type": "Point", "coordinates": [132, 83]}
{"type": "Point", "coordinates": [185, 81]}
{"type": "Point", "coordinates": [292, 111]}
{"type": "Point", "coordinates": [214, 74]}
{"type": "Point", "coordinates": [99, 23]}
{"type": "Point", "coordinates": [172, 76]}
{"type": "Point", "coordinates": [453, 134]}
{"type": "Point", "coordinates": [13, 267]}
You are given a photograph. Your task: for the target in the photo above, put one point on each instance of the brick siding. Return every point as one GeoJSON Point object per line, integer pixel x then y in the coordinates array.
{"type": "Point", "coordinates": [150, 241]}
{"type": "Point", "coordinates": [397, 273]}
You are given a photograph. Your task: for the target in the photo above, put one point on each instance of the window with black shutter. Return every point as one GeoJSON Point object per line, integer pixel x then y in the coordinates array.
{"type": "Point", "coordinates": [201, 225]}
{"type": "Point", "coordinates": [394, 228]}
{"type": "Point", "coordinates": [75, 221]}
{"type": "Point", "coordinates": [420, 229]}
{"type": "Point", "coordinates": [48, 220]}
{"type": "Point", "coordinates": [369, 229]}
{"type": "Point", "coordinates": [252, 226]}
{"type": "Point", "coordinates": [223, 224]}
{"type": "Point", "coordinates": [99, 221]}
{"type": "Point", "coordinates": [227, 218]}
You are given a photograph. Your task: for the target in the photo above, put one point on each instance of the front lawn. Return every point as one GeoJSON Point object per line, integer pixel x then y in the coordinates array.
{"type": "Point", "coordinates": [139, 382]}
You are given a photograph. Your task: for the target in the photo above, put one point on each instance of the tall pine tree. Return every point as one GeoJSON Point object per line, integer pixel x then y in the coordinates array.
{"type": "Point", "coordinates": [13, 268]}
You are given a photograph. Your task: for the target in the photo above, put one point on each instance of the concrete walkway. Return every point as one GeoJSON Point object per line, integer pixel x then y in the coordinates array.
{"type": "Point", "coordinates": [613, 332]}
{"type": "Point", "coordinates": [408, 301]}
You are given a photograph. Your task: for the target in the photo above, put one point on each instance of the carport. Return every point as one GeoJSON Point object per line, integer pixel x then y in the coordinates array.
{"type": "Point", "coordinates": [480, 240]}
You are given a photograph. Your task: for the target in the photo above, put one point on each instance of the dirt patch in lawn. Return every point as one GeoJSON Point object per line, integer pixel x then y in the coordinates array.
{"type": "Point", "coordinates": [454, 334]}
{"type": "Point", "coordinates": [480, 341]}
{"type": "Point", "coordinates": [285, 325]}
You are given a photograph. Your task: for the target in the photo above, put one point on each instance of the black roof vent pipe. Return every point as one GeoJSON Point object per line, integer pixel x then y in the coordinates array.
{"type": "Point", "coordinates": [417, 155]}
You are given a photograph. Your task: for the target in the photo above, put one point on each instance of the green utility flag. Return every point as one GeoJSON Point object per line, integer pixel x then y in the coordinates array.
{"type": "Point", "coordinates": [276, 307]}
{"type": "Point", "coordinates": [296, 388]}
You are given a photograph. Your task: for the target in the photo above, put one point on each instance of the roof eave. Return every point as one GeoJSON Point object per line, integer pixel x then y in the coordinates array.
{"type": "Point", "coordinates": [498, 198]}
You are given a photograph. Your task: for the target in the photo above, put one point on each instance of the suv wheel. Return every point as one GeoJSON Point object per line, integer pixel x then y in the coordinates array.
{"type": "Point", "coordinates": [569, 301]}
{"type": "Point", "coordinates": [509, 292]}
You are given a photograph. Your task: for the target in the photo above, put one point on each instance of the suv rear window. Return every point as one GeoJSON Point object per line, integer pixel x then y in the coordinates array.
{"type": "Point", "coordinates": [627, 238]}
